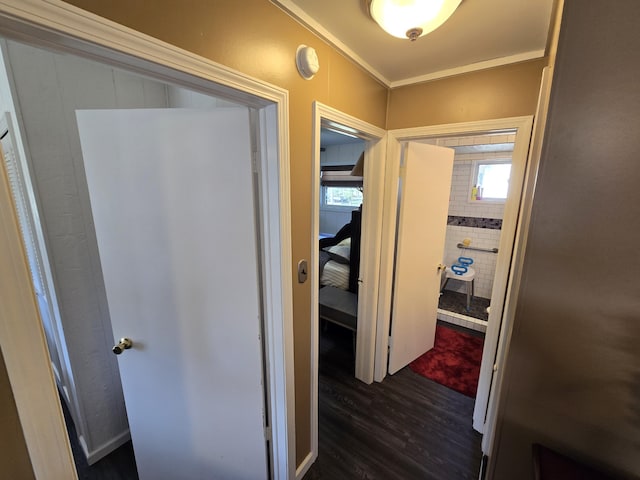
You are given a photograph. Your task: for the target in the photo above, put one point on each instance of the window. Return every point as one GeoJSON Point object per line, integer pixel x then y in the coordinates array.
{"type": "Point", "coordinates": [339, 187]}
{"type": "Point", "coordinates": [342, 196]}
{"type": "Point", "coordinates": [491, 180]}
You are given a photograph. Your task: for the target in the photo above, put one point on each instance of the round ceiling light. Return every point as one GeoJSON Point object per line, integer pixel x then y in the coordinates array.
{"type": "Point", "coordinates": [411, 18]}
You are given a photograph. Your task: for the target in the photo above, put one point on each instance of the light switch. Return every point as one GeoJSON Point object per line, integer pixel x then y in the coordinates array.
{"type": "Point", "coordinates": [303, 271]}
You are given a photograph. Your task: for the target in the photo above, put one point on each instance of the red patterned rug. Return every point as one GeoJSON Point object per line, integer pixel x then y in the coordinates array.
{"type": "Point", "coordinates": [454, 361]}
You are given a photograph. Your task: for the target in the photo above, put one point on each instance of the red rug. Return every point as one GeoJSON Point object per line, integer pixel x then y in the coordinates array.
{"type": "Point", "coordinates": [454, 361]}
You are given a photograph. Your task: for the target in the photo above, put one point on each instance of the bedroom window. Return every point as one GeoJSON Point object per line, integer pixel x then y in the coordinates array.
{"type": "Point", "coordinates": [490, 181]}
{"type": "Point", "coordinates": [342, 196]}
{"type": "Point", "coordinates": [339, 187]}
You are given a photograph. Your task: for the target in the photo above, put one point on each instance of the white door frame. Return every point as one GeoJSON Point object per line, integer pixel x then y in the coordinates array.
{"type": "Point", "coordinates": [325, 116]}
{"type": "Point", "coordinates": [504, 267]}
{"type": "Point", "coordinates": [61, 26]}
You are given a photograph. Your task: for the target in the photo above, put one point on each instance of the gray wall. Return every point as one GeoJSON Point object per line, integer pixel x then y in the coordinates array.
{"type": "Point", "coordinates": [573, 369]}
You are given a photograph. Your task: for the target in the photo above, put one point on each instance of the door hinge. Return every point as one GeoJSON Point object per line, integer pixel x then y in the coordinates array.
{"type": "Point", "coordinates": [495, 367]}
{"type": "Point", "coordinates": [267, 433]}
{"type": "Point", "coordinates": [390, 341]}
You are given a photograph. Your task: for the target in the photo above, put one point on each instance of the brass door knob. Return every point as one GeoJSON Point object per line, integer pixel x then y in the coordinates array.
{"type": "Point", "coordinates": [124, 344]}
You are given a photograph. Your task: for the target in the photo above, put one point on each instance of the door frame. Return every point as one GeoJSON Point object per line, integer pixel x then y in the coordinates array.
{"type": "Point", "coordinates": [501, 317]}
{"type": "Point", "coordinates": [373, 180]}
{"type": "Point", "coordinates": [61, 26]}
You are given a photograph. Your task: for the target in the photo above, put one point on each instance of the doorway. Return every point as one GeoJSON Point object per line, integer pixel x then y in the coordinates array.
{"type": "Point", "coordinates": [374, 144]}
{"type": "Point", "coordinates": [521, 128]}
{"type": "Point", "coordinates": [340, 223]}
{"type": "Point", "coordinates": [479, 191]}
{"type": "Point", "coordinates": [275, 240]}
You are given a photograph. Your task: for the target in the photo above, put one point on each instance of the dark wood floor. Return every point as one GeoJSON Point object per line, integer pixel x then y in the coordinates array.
{"type": "Point", "coordinates": [406, 427]}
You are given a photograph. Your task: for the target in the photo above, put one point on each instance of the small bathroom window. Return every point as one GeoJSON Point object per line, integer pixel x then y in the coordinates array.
{"type": "Point", "coordinates": [490, 181]}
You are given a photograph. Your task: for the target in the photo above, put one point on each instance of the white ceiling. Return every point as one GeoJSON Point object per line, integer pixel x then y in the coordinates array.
{"type": "Point", "coordinates": [480, 34]}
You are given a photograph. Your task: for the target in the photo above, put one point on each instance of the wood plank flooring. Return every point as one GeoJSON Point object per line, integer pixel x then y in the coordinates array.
{"type": "Point", "coordinates": [406, 427]}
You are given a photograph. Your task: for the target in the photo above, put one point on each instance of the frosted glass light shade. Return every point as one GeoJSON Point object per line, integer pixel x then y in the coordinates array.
{"type": "Point", "coordinates": [411, 18]}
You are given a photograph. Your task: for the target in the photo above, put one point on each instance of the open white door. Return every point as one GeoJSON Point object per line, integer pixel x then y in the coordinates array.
{"type": "Point", "coordinates": [173, 204]}
{"type": "Point", "coordinates": [425, 184]}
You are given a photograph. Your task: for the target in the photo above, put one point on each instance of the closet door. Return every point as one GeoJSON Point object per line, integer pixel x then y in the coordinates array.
{"type": "Point", "coordinates": [172, 198]}
{"type": "Point", "coordinates": [425, 184]}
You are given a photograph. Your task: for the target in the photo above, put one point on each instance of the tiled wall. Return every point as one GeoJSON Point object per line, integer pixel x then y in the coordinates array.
{"type": "Point", "coordinates": [484, 263]}
{"type": "Point", "coordinates": [485, 233]}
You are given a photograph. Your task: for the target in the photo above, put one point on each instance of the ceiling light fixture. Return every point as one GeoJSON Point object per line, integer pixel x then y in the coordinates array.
{"type": "Point", "coordinates": [411, 18]}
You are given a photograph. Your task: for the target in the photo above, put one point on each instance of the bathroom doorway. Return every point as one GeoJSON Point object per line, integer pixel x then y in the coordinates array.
{"type": "Point", "coordinates": [470, 139]}
{"type": "Point", "coordinates": [479, 190]}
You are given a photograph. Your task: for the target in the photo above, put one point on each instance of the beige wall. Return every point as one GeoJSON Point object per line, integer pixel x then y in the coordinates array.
{"type": "Point", "coordinates": [14, 460]}
{"type": "Point", "coordinates": [501, 92]}
{"type": "Point", "coordinates": [257, 38]}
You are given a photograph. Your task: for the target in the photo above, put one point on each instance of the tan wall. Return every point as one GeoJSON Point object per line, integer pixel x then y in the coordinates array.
{"type": "Point", "coordinates": [14, 461]}
{"type": "Point", "coordinates": [501, 92]}
{"type": "Point", "coordinates": [257, 38]}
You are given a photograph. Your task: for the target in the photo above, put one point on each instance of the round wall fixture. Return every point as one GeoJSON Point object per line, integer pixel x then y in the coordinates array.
{"type": "Point", "coordinates": [307, 62]}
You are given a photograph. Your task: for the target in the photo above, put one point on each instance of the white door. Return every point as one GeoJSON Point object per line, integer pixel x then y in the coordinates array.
{"type": "Point", "coordinates": [425, 184]}
{"type": "Point", "coordinates": [173, 203]}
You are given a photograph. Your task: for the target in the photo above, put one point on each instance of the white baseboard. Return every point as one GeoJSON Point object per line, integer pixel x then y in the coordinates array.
{"type": "Point", "coordinates": [304, 467]}
{"type": "Point", "coordinates": [104, 449]}
{"type": "Point", "coordinates": [462, 320]}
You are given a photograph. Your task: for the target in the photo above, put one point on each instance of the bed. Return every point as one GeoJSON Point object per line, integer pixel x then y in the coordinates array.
{"type": "Point", "coordinates": [339, 271]}
{"type": "Point", "coordinates": [340, 256]}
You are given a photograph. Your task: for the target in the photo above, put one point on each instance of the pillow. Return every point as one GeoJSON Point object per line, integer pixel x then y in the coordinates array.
{"type": "Point", "coordinates": [339, 253]}
{"type": "Point", "coordinates": [345, 243]}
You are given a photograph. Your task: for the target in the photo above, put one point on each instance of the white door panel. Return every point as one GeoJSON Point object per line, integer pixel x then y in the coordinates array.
{"type": "Point", "coordinates": [172, 199]}
{"type": "Point", "coordinates": [425, 184]}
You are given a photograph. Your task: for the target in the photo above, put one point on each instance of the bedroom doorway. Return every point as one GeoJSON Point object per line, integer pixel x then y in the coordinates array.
{"type": "Point", "coordinates": [368, 142]}
{"type": "Point", "coordinates": [340, 221]}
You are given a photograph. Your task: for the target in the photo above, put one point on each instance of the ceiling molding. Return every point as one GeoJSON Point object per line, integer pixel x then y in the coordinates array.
{"type": "Point", "coordinates": [293, 10]}
{"type": "Point", "coordinates": [472, 67]}
{"type": "Point", "coordinates": [301, 16]}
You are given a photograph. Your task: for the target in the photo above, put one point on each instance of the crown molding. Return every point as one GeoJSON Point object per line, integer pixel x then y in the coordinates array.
{"type": "Point", "coordinates": [472, 67]}
{"type": "Point", "coordinates": [302, 17]}
{"type": "Point", "coordinates": [298, 14]}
